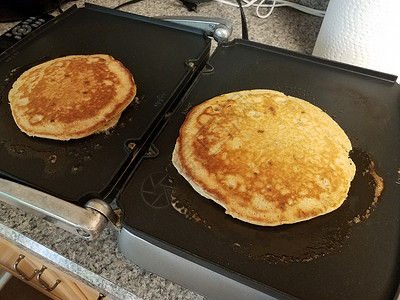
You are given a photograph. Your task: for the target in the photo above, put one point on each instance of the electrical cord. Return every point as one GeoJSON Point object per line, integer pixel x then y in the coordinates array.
{"type": "Point", "coordinates": [271, 4]}
{"type": "Point", "coordinates": [245, 33]}
{"type": "Point", "coordinates": [60, 4]}
{"type": "Point", "coordinates": [126, 3]}
{"type": "Point", "coordinates": [59, 7]}
{"type": "Point", "coordinates": [190, 5]}
{"type": "Point", "coordinates": [268, 13]}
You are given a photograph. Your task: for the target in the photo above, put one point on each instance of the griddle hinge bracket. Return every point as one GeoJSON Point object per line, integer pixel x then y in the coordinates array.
{"type": "Point", "coordinates": [152, 151]}
{"type": "Point", "coordinates": [86, 222]}
{"type": "Point", "coordinates": [208, 69]}
{"type": "Point", "coordinates": [192, 63]}
{"type": "Point", "coordinates": [218, 28]}
{"type": "Point", "coordinates": [105, 209]}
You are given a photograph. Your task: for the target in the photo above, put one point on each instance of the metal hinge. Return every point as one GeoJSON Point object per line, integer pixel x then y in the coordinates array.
{"type": "Point", "coordinates": [220, 29]}
{"type": "Point", "coordinates": [87, 222]}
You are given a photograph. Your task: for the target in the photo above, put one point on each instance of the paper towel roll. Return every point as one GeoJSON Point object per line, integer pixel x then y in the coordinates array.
{"type": "Point", "coordinates": [365, 33]}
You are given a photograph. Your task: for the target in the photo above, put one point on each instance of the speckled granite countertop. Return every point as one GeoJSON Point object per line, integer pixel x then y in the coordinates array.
{"type": "Point", "coordinates": [99, 262]}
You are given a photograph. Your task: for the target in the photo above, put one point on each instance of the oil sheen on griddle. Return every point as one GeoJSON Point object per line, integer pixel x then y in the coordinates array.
{"type": "Point", "coordinates": [300, 242]}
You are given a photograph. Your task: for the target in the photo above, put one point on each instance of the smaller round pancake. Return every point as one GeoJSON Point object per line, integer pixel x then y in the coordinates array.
{"type": "Point", "coordinates": [267, 158]}
{"type": "Point", "coordinates": [71, 97]}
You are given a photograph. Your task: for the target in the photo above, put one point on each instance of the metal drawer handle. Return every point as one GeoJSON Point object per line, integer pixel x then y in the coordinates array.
{"type": "Point", "coordinates": [20, 273]}
{"type": "Point", "coordinates": [43, 284]}
{"type": "Point", "coordinates": [101, 296]}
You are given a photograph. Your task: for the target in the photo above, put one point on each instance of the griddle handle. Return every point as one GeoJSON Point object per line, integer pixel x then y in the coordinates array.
{"type": "Point", "coordinates": [220, 29]}
{"type": "Point", "coordinates": [84, 222]}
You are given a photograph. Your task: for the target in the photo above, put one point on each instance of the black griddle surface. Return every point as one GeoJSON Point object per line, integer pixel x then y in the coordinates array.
{"type": "Point", "coordinates": [155, 52]}
{"type": "Point", "coordinates": [347, 254]}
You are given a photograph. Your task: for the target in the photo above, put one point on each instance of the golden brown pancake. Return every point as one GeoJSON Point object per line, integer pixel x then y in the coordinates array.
{"type": "Point", "coordinates": [71, 97]}
{"type": "Point", "coordinates": [267, 158]}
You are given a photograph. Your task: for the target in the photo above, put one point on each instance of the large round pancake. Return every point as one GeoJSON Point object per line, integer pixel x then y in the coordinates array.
{"type": "Point", "coordinates": [71, 97]}
{"type": "Point", "coordinates": [267, 158]}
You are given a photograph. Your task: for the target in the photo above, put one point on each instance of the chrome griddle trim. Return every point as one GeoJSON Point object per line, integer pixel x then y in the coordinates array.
{"type": "Point", "coordinates": [183, 271]}
{"type": "Point", "coordinates": [84, 222]}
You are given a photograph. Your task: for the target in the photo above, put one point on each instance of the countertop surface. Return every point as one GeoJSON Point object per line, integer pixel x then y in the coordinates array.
{"type": "Point", "coordinates": [99, 262]}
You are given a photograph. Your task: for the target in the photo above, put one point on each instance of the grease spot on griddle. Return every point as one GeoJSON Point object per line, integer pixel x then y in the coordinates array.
{"type": "Point", "coordinates": [13, 74]}
{"type": "Point", "coordinates": [87, 157]}
{"type": "Point", "coordinates": [183, 207]}
{"type": "Point", "coordinates": [76, 169]}
{"type": "Point", "coordinates": [7, 82]}
{"type": "Point", "coordinates": [398, 176]}
{"type": "Point", "coordinates": [300, 242]}
{"type": "Point", "coordinates": [53, 159]}
{"type": "Point", "coordinates": [57, 160]}
{"type": "Point", "coordinates": [376, 183]}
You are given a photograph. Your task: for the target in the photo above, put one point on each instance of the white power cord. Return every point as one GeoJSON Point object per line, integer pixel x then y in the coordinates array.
{"type": "Point", "coordinates": [271, 4]}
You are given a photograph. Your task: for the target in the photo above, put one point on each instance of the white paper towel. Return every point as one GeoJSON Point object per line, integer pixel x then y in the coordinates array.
{"type": "Point", "coordinates": [365, 33]}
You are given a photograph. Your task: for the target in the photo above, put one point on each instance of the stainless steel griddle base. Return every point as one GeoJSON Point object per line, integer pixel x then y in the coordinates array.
{"type": "Point", "coordinates": [184, 272]}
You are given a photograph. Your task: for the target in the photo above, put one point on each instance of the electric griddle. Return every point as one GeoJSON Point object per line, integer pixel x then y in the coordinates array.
{"type": "Point", "coordinates": [164, 225]}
